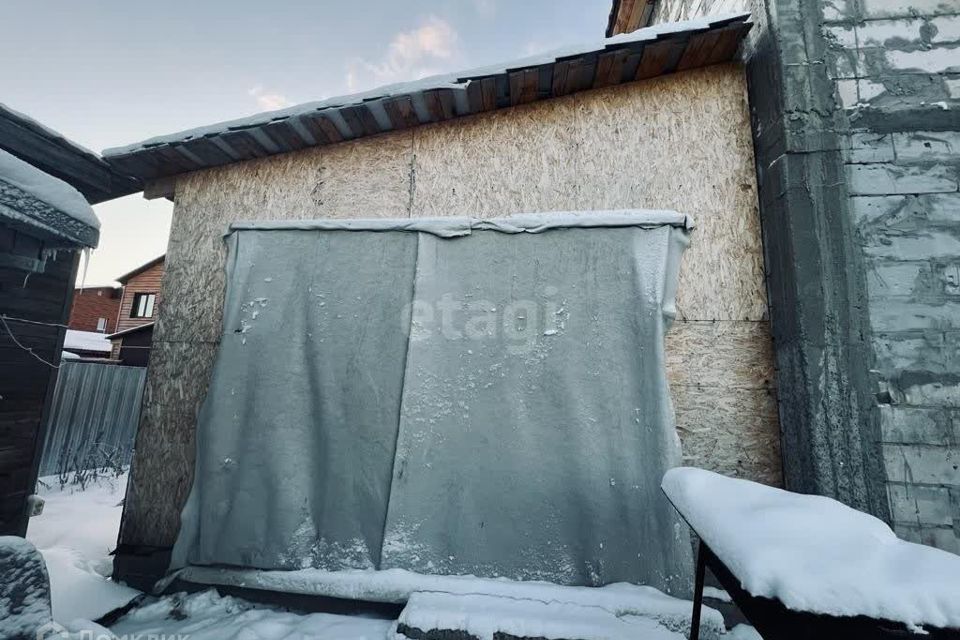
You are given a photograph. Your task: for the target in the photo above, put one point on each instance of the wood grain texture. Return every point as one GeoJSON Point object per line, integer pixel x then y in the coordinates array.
{"type": "Point", "coordinates": [680, 142]}
{"type": "Point", "coordinates": [162, 468]}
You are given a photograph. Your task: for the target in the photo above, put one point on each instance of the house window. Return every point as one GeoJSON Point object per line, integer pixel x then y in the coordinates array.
{"type": "Point", "coordinates": [101, 324]}
{"type": "Point", "coordinates": [143, 305]}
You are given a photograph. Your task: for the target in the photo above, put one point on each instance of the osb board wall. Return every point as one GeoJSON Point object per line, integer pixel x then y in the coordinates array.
{"type": "Point", "coordinates": [678, 142]}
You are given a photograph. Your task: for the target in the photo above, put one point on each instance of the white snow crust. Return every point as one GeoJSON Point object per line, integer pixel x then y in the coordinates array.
{"type": "Point", "coordinates": [210, 616]}
{"type": "Point", "coordinates": [86, 341]}
{"type": "Point", "coordinates": [75, 533]}
{"type": "Point", "coordinates": [482, 616]}
{"type": "Point", "coordinates": [42, 186]}
{"type": "Point", "coordinates": [815, 554]}
{"type": "Point", "coordinates": [397, 585]}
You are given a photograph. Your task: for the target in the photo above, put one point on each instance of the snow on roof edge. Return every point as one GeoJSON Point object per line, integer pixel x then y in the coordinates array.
{"type": "Point", "coordinates": [52, 134]}
{"type": "Point", "coordinates": [455, 80]}
{"type": "Point", "coordinates": [46, 188]}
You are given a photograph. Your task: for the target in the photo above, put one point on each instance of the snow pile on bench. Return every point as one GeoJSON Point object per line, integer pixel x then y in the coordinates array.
{"type": "Point", "coordinates": [815, 554]}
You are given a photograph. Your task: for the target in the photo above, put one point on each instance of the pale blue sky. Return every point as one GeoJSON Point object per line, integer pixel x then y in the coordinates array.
{"type": "Point", "coordinates": [111, 72]}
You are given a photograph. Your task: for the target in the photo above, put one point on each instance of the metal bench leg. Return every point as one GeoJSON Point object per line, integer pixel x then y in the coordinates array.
{"type": "Point", "coordinates": [698, 593]}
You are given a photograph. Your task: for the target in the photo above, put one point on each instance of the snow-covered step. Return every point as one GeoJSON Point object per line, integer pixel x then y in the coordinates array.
{"type": "Point", "coordinates": [445, 616]}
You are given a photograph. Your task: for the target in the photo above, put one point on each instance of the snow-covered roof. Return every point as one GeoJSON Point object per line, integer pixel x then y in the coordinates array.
{"type": "Point", "coordinates": [54, 153]}
{"type": "Point", "coordinates": [86, 341]}
{"type": "Point", "coordinates": [34, 199]}
{"type": "Point", "coordinates": [815, 554]}
{"type": "Point", "coordinates": [645, 53]}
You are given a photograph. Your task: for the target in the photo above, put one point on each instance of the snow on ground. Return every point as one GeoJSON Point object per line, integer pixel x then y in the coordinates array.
{"type": "Point", "coordinates": [815, 554]}
{"type": "Point", "coordinates": [75, 533]}
{"type": "Point", "coordinates": [210, 616]}
{"type": "Point", "coordinates": [744, 632]}
{"type": "Point", "coordinates": [716, 594]}
{"type": "Point", "coordinates": [487, 617]}
{"type": "Point", "coordinates": [78, 528]}
{"type": "Point", "coordinates": [397, 585]}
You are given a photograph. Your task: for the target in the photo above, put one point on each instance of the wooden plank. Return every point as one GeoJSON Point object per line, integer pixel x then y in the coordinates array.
{"type": "Point", "coordinates": [313, 126]}
{"type": "Point", "coordinates": [728, 42]}
{"type": "Point", "coordinates": [698, 50]}
{"type": "Point", "coordinates": [432, 101]}
{"type": "Point", "coordinates": [474, 96]}
{"type": "Point", "coordinates": [207, 151]}
{"type": "Point", "coordinates": [244, 144]}
{"type": "Point", "coordinates": [530, 85]}
{"type": "Point", "coordinates": [370, 126]}
{"type": "Point", "coordinates": [624, 11]}
{"type": "Point", "coordinates": [524, 85]}
{"type": "Point", "coordinates": [164, 187]}
{"type": "Point", "coordinates": [581, 74]}
{"type": "Point", "coordinates": [170, 160]}
{"type": "Point", "coordinates": [401, 113]}
{"type": "Point", "coordinates": [285, 136]}
{"type": "Point", "coordinates": [561, 70]}
{"type": "Point", "coordinates": [326, 125]}
{"type": "Point", "coordinates": [610, 68]}
{"type": "Point", "coordinates": [488, 90]}
{"type": "Point", "coordinates": [658, 58]}
{"type": "Point", "coordinates": [352, 118]}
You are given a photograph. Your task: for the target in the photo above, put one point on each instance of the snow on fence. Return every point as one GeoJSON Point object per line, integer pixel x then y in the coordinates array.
{"type": "Point", "coordinates": [94, 417]}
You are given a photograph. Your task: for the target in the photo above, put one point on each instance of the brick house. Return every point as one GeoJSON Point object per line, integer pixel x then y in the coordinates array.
{"type": "Point", "coordinates": [95, 309]}
{"type": "Point", "coordinates": [138, 307]}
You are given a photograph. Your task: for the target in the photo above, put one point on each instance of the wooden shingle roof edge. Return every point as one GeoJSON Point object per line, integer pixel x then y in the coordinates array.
{"type": "Point", "coordinates": [52, 153]}
{"type": "Point", "coordinates": [646, 53]}
{"type": "Point", "coordinates": [629, 15]}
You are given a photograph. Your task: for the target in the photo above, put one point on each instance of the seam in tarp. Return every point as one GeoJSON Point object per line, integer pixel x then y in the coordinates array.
{"type": "Point", "coordinates": [453, 227]}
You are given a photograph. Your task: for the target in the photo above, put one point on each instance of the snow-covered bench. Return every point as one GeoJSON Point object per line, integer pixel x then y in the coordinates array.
{"type": "Point", "coordinates": [801, 566]}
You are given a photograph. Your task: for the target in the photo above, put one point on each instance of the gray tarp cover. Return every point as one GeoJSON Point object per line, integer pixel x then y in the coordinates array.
{"type": "Point", "coordinates": [446, 396]}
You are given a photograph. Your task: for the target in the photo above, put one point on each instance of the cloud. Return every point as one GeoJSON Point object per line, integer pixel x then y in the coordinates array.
{"type": "Point", "coordinates": [267, 100]}
{"type": "Point", "coordinates": [426, 50]}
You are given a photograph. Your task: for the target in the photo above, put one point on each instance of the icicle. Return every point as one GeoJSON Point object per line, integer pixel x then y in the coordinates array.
{"type": "Point", "coordinates": [86, 263]}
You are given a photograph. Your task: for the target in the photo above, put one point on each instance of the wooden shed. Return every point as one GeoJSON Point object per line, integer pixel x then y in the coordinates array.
{"type": "Point", "coordinates": [44, 224]}
{"type": "Point", "coordinates": [46, 183]}
{"type": "Point", "coordinates": [654, 119]}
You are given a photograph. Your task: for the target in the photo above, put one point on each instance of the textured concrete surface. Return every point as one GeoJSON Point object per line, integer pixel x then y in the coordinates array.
{"type": "Point", "coordinates": [856, 113]}
{"type": "Point", "coordinates": [896, 68]}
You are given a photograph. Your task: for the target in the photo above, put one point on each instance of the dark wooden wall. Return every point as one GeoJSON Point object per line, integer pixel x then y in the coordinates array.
{"type": "Point", "coordinates": [26, 384]}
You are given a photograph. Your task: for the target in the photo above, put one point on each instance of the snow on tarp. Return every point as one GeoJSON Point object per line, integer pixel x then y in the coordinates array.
{"type": "Point", "coordinates": [493, 404]}
{"type": "Point", "coordinates": [815, 554]}
{"type": "Point", "coordinates": [398, 585]}
{"type": "Point", "coordinates": [455, 81]}
{"type": "Point", "coordinates": [86, 341]}
{"type": "Point", "coordinates": [44, 187]}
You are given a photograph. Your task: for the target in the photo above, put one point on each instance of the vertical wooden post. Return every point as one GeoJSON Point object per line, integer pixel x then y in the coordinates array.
{"type": "Point", "coordinates": [698, 593]}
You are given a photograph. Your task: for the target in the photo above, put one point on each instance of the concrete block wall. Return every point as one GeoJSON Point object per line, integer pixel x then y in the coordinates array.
{"type": "Point", "coordinates": [896, 68]}
{"type": "Point", "coordinates": [856, 114]}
